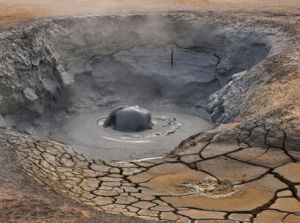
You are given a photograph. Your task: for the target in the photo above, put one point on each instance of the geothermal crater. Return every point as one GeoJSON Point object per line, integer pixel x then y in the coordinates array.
{"type": "Point", "coordinates": [72, 72]}
{"type": "Point", "coordinates": [218, 93]}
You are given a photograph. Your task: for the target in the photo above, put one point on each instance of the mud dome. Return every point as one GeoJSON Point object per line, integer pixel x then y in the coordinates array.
{"type": "Point", "coordinates": [70, 73]}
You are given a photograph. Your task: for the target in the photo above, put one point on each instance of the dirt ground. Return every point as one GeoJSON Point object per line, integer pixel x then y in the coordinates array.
{"type": "Point", "coordinates": [14, 10]}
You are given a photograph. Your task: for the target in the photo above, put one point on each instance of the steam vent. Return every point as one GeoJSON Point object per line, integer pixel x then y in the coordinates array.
{"type": "Point", "coordinates": [147, 111]}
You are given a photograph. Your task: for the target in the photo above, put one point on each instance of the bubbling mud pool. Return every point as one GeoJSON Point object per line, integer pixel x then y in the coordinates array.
{"type": "Point", "coordinates": [74, 71]}
{"type": "Point", "coordinates": [87, 134]}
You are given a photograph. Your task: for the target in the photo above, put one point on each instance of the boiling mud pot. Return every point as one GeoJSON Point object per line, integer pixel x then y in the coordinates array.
{"type": "Point", "coordinates": [85, 132]}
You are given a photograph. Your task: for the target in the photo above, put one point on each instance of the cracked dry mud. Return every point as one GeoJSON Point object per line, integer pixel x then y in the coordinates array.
{"type": "Point", "coordinates": [247, 170]}
{"type": "Point", "coordinates": [262, 181]}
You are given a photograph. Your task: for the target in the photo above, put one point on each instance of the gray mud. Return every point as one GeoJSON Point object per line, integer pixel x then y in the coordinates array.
{"type": "Point", "coordinates": [86, 134]}
{"type": "Point", "coordinates": [61, 76]}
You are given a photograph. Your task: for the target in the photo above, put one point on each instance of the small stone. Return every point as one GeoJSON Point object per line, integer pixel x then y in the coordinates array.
{"type": "Point", "coordinates": [292, 219]}
{"type": "Point", "coordinates": [69, 150]}
{"type": "Point", "coordinates": [130, 214]}
{"type": "Point", "coordinates": [128, 184]}
{"type": "Point", "coordinates": [91, 174]}
{"type": "Point", "coordinates": [295, 155]}
{"type": "Point", "coordinates": [143, 204]}
{"type": "Point", "coordinates": [52, 151]}
{"type": "Point", "coordinates": [115, 175]}
{"type": "Point", "coordinates": [68, 184]}
{"type": "Point", "coordinates": [148, 213]}
{"type": "Point", "coordinates": [67, 162]}
{"type": "Point", "coordinates": [215, 221]}
{"type": "Point", "coordinates": [121, 164]}
{"type": "Point", "coordinates": [103, 200]}
{"type": "Point", "coordinates": [162, 208]}
{"type": "Point", "coordinates": [290, 172]}
{"type": "Point", "coordinates": [144, 164]}
{"type": "Point", "coordinates": [144, 197]}
{"type": "Point", "coordinates": [114, 170]}
{"type": "Point", "coordinates": [170, 159]}
{"type": "Point", "coordinates": [111, 184]}
{"type": "Point", "coordinates": [131, 171]}
{"type": "Point", "coordinates": [89, 203]}
{"type": "Point", "coordinates": [125, 200]}
{"type": "Point", "coordinates": [106, 193]}
{"type": "Point", "coordinates": [106, 188]}
{"type": "Point", "coordinates": [298, 191]}
{"type": "Point", "coordinates": [80, 157]}
{"type": "Point", "coordinates": [286, 204]}
{"type": "Point", "coordinates": [110, 179]}
{"type": "Point", "coordinates": [76, 179]}
{"type": "Point", "coordinates": [190, 158]}
{"type": "Point", "coordinates": [159, 202]}
{"type": "Point", "coordinates": [113, 212]}
{"type": "Point", "coordinates": [132, 209]}
{"type": "Point", "coordinates": [115, 208]}
{"type": "Point", "coordinates": [148, 218]}
{"type": "Point", "coordinates": [87, 195]}
{"type": "Point", "coordinates": [169, 216]}
{"type": "Point", "coordinates": [155, 161]}
{"type": "Point", "coordinates": [285, 193]}
{"type": "Point", "coordinates": [217, 149]}
{"type": "Point", "coordinates": [58, 147]}
{"type": "Point", "coordinates": [48, 157]}
{"type": "Point", "coordinates": [129, 189]}
{"type": "Point", "coordinates": [119, 190]}
{"type": "Point", "coordinates": [45, 164]}
{"type": "Point", "coordinates": [184, 220]}
{"type": "Point", "coordinates": [100, 167]}
{"type": "Point", "coordinates": [199, 214]}
{"type": "Point", "coordinates": [240, 217]}
{"type": "Point", "coordinates": [90, 184]}
{"type": "Point", "coordinates": [269, 216]}
{"type": "Point", "coordinates": [77, 190]}
{"type": "Point", "coordinates": [63, 169]}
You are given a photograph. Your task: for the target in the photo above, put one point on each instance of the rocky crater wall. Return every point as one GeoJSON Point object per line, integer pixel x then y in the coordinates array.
{"type": "Point", "coordinates": [70, 64]}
